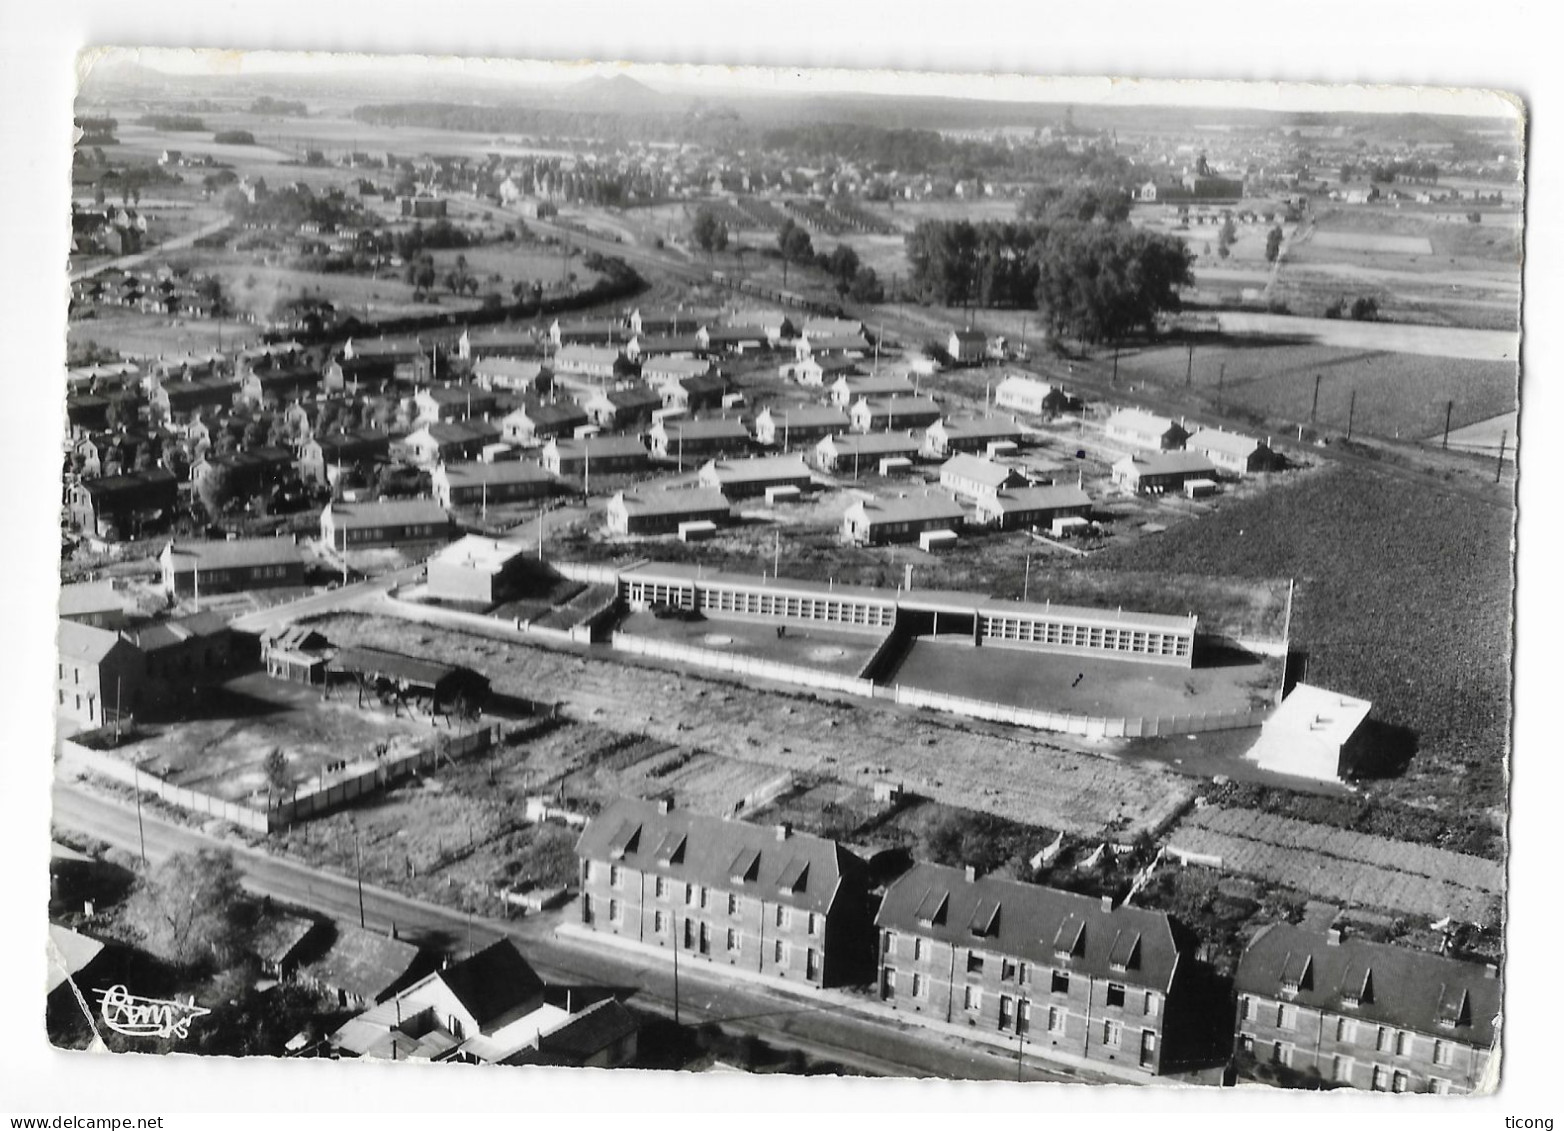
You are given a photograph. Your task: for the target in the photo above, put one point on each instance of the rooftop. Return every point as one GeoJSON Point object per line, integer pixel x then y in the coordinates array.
{"type": "Point", "coordinates": [236, 553]}
{"type": "Point", "coordinates": [477, 553]}
{"type": "Point", "coordinates": [388, 512]}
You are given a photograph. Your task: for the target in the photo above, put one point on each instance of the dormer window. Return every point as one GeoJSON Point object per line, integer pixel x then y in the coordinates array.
{"type": "Point", "coordinates": [625, 839]}
{"type": "Point", "coordinates": [1357, 987]}
{"type": "Point", "coordinates": [1454, 1007]}
{"type": "Point", "coordinates": [671, 850]}
{"type": "Point", "coordinates": [745, 866]}
{"type": "Point", "coordinates": [1297, 973]}
{"type": "Point", "coordinates": [1125, 952]}
{"type": "Point", "coordinates": [795, 877]}
{"type": "Point", "coordinates": [1070, 941]}
{"type": "Point", "coordinates": [985, 920]}
{"type": "Point", "coordinates": [933, 908]}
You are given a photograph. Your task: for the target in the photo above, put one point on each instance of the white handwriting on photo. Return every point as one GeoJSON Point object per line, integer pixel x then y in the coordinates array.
{"type": "Point", "coordinates": [135, 1016]}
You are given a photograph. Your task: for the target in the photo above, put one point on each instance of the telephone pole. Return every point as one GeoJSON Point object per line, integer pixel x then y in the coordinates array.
{"type": "Point", "coordinates": [358, 865]}
{"type": "Point", "coordinates": [1315, 407]}
{"type": "Point", "coordinates": [1352, 406]}
{"type": "Point", "coordinates": [1189, 367]}
{"type": "Point", "coordinates": [1498, 469]}
{"type": "Point", "coordinates": [1449, 408]}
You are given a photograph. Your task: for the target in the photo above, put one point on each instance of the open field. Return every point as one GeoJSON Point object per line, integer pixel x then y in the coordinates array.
{"type": "Point", "coordinates": [1375, 242]}
{"type": "Point", "coordinates": [1372, 554]}
{"type": "Point", "coordinates": [1349, 867]}
{"type": "Point", "coordinates": [1398, 395]}
{"type": "Point", "coordinates": [1486, 436]}
{"type": "Point", "coordinates": [222, 747]}
{"type": "Point", "coordinates": [805, 645]}
{"type": "Point", "coordinates": [1048, 782]}
{"type": "Point", "coordinates": [1080, 685]}
{"type": "Point", "coordinates": [134, 334]}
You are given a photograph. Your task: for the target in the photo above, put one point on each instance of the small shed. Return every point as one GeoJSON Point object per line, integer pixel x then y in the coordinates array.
{"type": "Point", "coordinates": [702, 530]}
{"type": "Point", "coordinates": [933, 541]}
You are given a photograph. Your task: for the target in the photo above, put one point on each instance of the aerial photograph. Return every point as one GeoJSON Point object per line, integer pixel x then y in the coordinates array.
{"type": "Point", "coordinates": [619, 566]}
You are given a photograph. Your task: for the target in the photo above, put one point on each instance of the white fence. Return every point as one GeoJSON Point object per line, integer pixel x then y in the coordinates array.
{"type": "Point", "coordinates": [742, 665]}
{"type": "Point", "coordinates": [1089, 725]}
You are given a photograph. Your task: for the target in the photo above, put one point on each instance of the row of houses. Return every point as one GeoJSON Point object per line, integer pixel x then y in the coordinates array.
{"type": "Point", "coordinates": [1083, 980]}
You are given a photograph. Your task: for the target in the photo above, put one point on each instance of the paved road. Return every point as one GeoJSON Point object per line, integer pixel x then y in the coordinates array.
{"type": "Point", "coordinates": [330, 601]}
{"type": "Point", "coordinates": [175, 244]}
{"type": "Point", "coordinates": [820, 1029]}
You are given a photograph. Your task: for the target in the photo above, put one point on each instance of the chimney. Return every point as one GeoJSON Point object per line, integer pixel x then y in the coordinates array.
{"type": "Point", "coordinates": [971, 873]}
{"type": "Point", "coordinates": [783, 831]}
{"type": "Point", "coordinates": [1333, 936]}
{"type": "Point", "coordinates": [1107, 904]}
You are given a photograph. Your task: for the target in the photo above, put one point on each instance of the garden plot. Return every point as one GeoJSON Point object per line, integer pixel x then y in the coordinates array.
{"type": "Point", "coordinates": [1349, 867]}
{"type": "Point", "coordinates": [1379, 243]}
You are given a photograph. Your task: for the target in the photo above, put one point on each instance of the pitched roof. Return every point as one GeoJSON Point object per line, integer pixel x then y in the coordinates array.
{"type": "Point", "coordinates": [237, 553]}
{"type": "Point", "coordinates": [473, 474]}
{"type": "Point", "coordinates": [910, 508]}
{"type": "Point", "coordinates": [676, 366]}
{"type": "Point", "coordinates": [870, 443]}
{"type": "Point", "coordinates": [380, 663]}
{"type": "Point", "coordinates": [1036, 499]}
{"type": "Point", "coordinates": [597, 446]}
{"type": "Point", "coordinates": [1056, 929]}
{"type": "Point", "coordinates": [363, 962]}
{"type": "Point", "coordinates": [764, 468]}
{"type": "Point", "coordinates": [69, 953]}
{"type": "Point", "coordinates": [586, 1034]}
{"type": "Point", "coordinates": [560, 414]}
{"type": "Point", "coordinates": [86, 597]}
{"type": "Point", "coordinates": [1217, 440]}
{"type": "Point", "coordinates": [169, 634]}
{"type": "Point", "coordinates": [800, 870]}
{"type": "Point", "coordinates": [980, 470]}
{"type": "Point", "coordinates": [1168, 463]}
{"type": "Point", "coordinates": [806, 416]}
{"type": "Point", "coordinates": [1394, 985]}
{"type": "Point", "coordinates": [588, 354]}
{"type": "Point", "coordinates": [278, 935]}
{"type": "Point", "coordinates": [674, 500]}
{"type": "Point", "coordinates": [388, 512]}
{"type": "Point", "coordinates": [492, 983]}
{"type": "Point", "coordinates": [991, 425]}
{"type": "Point", "coordinates": [709, 428]}
{"type": "Point", "coordinates": [1137, 420]}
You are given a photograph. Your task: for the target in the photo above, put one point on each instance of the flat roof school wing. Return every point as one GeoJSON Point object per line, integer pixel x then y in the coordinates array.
{"type": "Point", "coordinates": [679, 575]}
{"type": "Point", "coordinates": [1377, 982]}
{"type": "Point", "coordinates": [797, 869]}
{"type": "Point", "coordinates": [1042, 925]}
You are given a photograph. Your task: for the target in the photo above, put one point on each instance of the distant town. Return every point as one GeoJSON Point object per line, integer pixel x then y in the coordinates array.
{"type": "Point", "coordinates": [557, 579]}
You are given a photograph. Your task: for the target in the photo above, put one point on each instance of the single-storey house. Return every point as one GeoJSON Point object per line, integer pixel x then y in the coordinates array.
{"type": "Point", "coordinates": [1019, 393]}
{"type": "Point", "coordinates": [973, 477]}
{"type": "Point", "coordinates": [900, 518]}
{"type": "Point", "coordinates": [746, 478]}
{"type": "Point", "coordinates": [654, 511]}
{"type": "Point", "coordinates": [954, 434]}
{"type": "Point", "coordinates": [468, 484]}
{"type": "Point", "coordinates": [629, 407]}
{"type": "Point", "coordinates": [1145, 432]}
{"type": "Point", "coordinates": [388, 522]}
{"type": "Point", "coordinates": [606, 455]}
{"type": "Point", "coordinates": [1231, 451]}
{"type": "Point", "coordinates": [698, 439]}
{"type": "Point", "coordinates": [967, 347]}
{"type": "Point", "coordinates": [1021, 508]}
{"type": "Point", "coordinates": [451, 403]}
{"type": "Point", "coordinates": [851, 387]}
{"type": "Point", "coordinates": [861, 453]}
{"type": "Point", "coordinates": [803, 425]}
{"type": "Point", "coordinates": [1161, 471]}
{"type": "Point", "coordinates": [237, 565]}
{"type": "Point", "coordinates": [533, 422]}
{"type": "Point", "coordinates": [477, 569]}
{"type": "Point", "coordinates": [361, 967]}
{"type": "Point", "coordinates": [889, 414]}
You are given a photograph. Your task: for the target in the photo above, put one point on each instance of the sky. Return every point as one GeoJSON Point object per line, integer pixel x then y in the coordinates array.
{"type": "Point", "coordinates": [691, 78]}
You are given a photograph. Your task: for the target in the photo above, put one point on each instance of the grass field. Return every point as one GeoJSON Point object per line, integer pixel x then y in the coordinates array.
{"type": "Point", "coordinates": [1375, 557]}
{"type": "Point", "coordinates": [1081, 685]}
{"type": "Point", "coordinates": [843, 653]}
{"type": "Point", "coordinates": [1398, 395]}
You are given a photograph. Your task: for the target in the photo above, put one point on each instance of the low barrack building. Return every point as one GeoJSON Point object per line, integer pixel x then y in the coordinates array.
{"type": "Point", "coordinates": [490, 484]}
{"type": "Point", "coordinates": [1161, 471]}
{"type": "Point", "coordinates": [900, 519]}
{"type": "Point", "coordinates": [1022, 508]}
{"type": "Point", "coordinates": [208, 568]}
{"type": "Point", "coordinates": [655, 511]}
{"type": "Point", "coordinates": [746, 478]}
{"type": "Point", "coordinates": [388, 522]}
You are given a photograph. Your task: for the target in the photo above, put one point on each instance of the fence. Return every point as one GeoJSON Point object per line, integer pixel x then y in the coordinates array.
{"type": "Point", "coordinates": [1092, 726]}
{"type": "Point", "coordinates": [327, 791]}
{"type": "Point", "coordinates": [742, 665]}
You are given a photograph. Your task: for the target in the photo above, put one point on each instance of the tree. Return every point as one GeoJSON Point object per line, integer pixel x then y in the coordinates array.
{"type": "Point", "coordinates": [794, 243]}
{"type": "Point", "coordinates": [866, 286]}
{"type": "Point", "coordinates": [278, 778]}
{"type": "Point", "coordinates": [1365, 309]}
{"type": "Point", "coordinates": [191, 907]}
{"type": "Point", "coordinates": [710, 234]}
{"type": "Point", "coordinates": [1273, 244]}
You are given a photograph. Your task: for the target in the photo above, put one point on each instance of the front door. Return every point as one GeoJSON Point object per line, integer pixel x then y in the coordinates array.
{"type": "Point", "coordinates": [1148, 1048]}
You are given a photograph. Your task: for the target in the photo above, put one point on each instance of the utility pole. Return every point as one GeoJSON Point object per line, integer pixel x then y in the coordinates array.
{"type": "Point", "coordinates": [141, 830]}
{"type": "Point", "coordinates": [1352, 407]}
{"type": "Point", "coordinates": [1021, 1006]}
{"type": "Point", "coordinates": [1026, 581]}
{"type": "Point", "coordinates": [1498, 469]}
{"type": "Point", "coordinates": [676, 968]}
{"type": "Point", "coordinates": [1115, 378]}
{"type": "Point", "coordinates": [1221, 382]}
{"type": "Point", "coordinates": [358, 862]}
{"type": "Point", "coordinates": [1315, 407]}
{"type": "Point", "coordinates": [1189, 366]}
{"type": "Point", "coordinates": [1449, 408]}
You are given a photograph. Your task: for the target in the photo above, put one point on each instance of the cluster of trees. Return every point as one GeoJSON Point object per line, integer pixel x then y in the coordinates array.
{"type": "Point", "coordinates": [292, 206]}
{"type": "Point", "coordinates": [1273, 244]}
{"type": "Point", "coordinates": [442, 235]}
{"type": "Point", "coordinates": [1364, 308]}
{"type": "Point", "coordinates": [1091, 280]}
{"type": "Point", "coordinates": [849, 276]}
{"type": "Point", "coordinates": [709, 233]}
{"type": "Point", "coordinates": [180, 123]}
{"type": "Point", "coordinates": [1384, 172]}
{"type": "Point", "coordinates": [279, 108]}
{"type": "Point", "coordinates": [234, 137]}
{"type": "Point", "coordinates": [1051, 203]}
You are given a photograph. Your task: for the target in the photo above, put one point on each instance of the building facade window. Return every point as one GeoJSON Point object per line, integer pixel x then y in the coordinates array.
{"type": "Point", "coordinates": [1112, 1034]}
{"type": "Point", "coordinates": [1115, 999]}
{"type": "Point", "coordinates": [1341, 1069]}
{"type": "Point", "coordinates": [974, 962]}
{"type": "Point", "coordinates": [614, 913]}
{"type": "Point", "coordinates": [1441, 1052]}
{"type": "Point", "coordinates": [919, 986]}
{"type": "Point", "coordinates": [662, 888]}
{"type": "Point", "coordinates": [1055, 1019]}
{"type": "Point", "coordinates": [733, 939]}
{"type": "Point", "coordinates": [659, 921]}
{"type": "Point", "coordinates": [1060, 982]}
{"type": "Point", "coordinates": [614, 876]}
